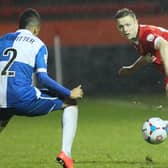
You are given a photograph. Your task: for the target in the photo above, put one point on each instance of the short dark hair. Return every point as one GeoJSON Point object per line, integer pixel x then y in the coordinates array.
{"type": "Point", "coordinates": [124, 12]}
{"type": "Point", "coordinates": [30, 17]}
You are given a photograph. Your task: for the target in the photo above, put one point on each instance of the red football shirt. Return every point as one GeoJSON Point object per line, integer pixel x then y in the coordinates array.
{"type": "Point", "coordinates": [147, 40]}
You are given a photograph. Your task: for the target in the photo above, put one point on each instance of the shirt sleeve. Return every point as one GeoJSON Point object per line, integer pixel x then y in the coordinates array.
{"type": "Point", "coordinates": [42, 76]}
{"type": "Point", "coordinates": [150, 39]}
{"type": "Point", "coordinates": [41, 60]}
{"type": "Point", "coordinates": [48, 82]}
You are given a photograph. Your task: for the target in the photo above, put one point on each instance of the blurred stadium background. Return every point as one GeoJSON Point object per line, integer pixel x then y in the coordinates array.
{"type": "Point", "coordinates": [90, 47]}
{"type": "Point", "coordinates": [82, 33]}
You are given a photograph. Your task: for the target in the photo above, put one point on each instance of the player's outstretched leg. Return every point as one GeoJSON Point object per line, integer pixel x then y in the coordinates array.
{"type": "Point", "coordinates": [69, 121]}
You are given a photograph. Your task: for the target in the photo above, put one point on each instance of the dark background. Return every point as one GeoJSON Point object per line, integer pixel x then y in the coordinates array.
{"type": "Point", "coordinates": [94, 64]}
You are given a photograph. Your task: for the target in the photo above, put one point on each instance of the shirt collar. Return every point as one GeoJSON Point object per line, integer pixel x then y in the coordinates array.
{"type": "Point", "coordinates": [25, 31]}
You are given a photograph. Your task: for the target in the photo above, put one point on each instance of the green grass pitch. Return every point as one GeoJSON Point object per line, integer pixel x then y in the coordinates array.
{"type": "Point", "coordinates": [108, 136]}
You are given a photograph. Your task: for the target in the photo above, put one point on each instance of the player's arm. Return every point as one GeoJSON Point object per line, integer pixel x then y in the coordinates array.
{"type": "Point", "coordinates": [141, 61]}
{"type": "Point", "coordinates": [162, 46]}
{"type": "Point", "coordinates": [44, 79]}
{"type": "Point", "coordinates": [48, 82]}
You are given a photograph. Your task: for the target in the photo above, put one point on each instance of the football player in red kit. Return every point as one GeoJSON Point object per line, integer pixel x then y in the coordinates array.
{"type": "Point", "coordinates": [150, 41]}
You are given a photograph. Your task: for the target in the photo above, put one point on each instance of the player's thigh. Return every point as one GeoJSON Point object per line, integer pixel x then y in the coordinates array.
{"type": "Point", "coordinates": [40, 106]}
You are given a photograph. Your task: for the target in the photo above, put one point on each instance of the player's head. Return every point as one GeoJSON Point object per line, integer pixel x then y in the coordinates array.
{"type": "Point", "coordinates": [30, 19]}
{"type": "Point", "coordinates": [127, 23]}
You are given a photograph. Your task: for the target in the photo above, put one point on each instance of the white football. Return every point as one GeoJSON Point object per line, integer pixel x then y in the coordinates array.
{"type": "Point", "coordinates": [154, 130]}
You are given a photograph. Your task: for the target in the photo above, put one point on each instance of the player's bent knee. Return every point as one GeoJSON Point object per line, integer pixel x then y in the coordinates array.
{"type": "Point", "coordinates": [70, 102]}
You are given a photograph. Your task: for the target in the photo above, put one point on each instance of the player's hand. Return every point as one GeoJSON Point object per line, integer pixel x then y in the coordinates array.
{"type": "Point", "coordinates": [148, 58]}
{"type": "Point", "coordinates": [125, 70]}
{"type": "Point", "coordinates": [76, 92]}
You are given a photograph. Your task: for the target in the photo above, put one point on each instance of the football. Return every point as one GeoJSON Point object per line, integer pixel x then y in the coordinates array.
{"type": "Point", "coordinates": [154, 130]}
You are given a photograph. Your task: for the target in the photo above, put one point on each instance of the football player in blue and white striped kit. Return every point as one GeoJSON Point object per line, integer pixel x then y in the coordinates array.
{"type": "Point", "coordinates": [21, 54]}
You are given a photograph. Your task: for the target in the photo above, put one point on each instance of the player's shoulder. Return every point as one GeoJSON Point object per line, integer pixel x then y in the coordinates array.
{"type": "Point", "coordinates": [38, 40]}
{"type": "Point", "coordinates": [148, 28]}
{"type": "Point", "coordinates": [149, 32]}
{"type": "Point", "coordinates": [145, 29]}
{"type": "Point", "coordinates": [29, 36]}
{"type": "Point", "coordinates": [7, 35]}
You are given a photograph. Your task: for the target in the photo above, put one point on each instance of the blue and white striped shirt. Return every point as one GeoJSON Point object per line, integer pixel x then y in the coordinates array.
{"type": "Point", "coordinates": [22, 54]}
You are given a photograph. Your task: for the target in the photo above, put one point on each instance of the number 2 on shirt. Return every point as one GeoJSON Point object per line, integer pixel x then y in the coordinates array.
{"type": "Point", "coordinates": [13, 53]}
